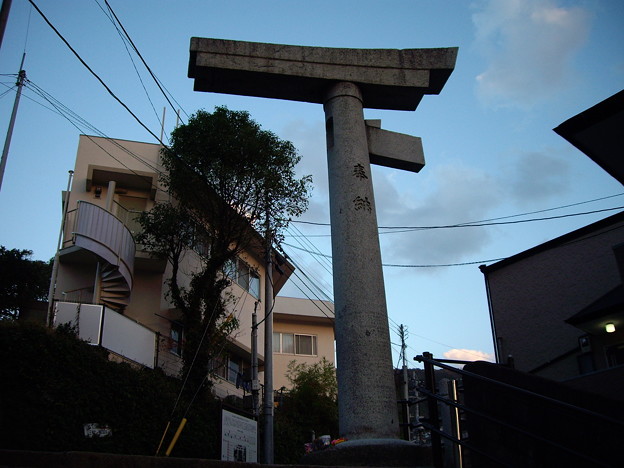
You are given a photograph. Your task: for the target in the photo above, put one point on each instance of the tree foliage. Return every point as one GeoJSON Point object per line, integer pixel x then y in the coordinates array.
{"type": "Point", "coordinates": [318, 380]}
{"type": "Point", "coordinates": [22, 281]}
{"type": "Point", "coordinates": [310, 406]}
{"type": "Point", "coordinates": [228, 179]}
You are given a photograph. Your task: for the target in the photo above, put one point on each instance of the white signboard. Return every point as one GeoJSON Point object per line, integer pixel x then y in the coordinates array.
{"type": "Point", "coordinates": [239, 438]}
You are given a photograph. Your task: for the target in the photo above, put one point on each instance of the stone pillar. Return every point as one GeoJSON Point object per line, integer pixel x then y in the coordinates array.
{"type": "Point", "coordinates": [366, 394]}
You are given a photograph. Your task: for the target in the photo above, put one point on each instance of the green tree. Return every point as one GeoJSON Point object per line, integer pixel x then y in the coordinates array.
{"type": "Point", "coordinates": [228, 180]}
{"type": "Point", "coordinates": [22, 281]}
{"type": "Point", "coordinates": [311, 405]}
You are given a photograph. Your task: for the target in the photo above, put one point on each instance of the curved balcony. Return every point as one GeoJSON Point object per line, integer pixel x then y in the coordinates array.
{"type": "Point", "coordinates": [93, 229]}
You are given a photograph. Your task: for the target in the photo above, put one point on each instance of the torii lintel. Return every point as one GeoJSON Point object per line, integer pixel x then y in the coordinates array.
{"type": "Point", "coordinates": [388, 78]}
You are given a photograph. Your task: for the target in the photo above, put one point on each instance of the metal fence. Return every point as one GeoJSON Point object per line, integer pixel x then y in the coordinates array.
{"type": "Point", "coordinates": [457, 444]}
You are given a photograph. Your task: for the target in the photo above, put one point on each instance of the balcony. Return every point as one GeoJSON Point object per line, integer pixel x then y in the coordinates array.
{"type": "Point", "coordinates": [99, 325]}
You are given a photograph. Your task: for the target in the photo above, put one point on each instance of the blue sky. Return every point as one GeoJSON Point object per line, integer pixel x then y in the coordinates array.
{"type": "Point", "coordinates": [524, 66]}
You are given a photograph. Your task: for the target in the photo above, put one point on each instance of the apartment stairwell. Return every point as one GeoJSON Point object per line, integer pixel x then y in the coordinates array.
{"type": "Point", "coordinates": [97, 239]}
{"type": "Point", "coordinates": [114, 289]}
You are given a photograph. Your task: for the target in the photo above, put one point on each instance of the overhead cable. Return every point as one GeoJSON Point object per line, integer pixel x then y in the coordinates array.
{"type": "Point", "coordinates": [125, 44]}
{"type": "Point", "coordinates": [409, 266]}
{"type": "Point", "coordinates": [95, 74]}
{"type": "Point", "coordinates": [156, 80]}
{"type": "Point", "coordinates": [486, 222]}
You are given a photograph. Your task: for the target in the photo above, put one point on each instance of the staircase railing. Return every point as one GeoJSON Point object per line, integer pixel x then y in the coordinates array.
{"type": "Point", "coordinates": [95, 229]}
{"type": "Point", "coordinates": [551, 448]}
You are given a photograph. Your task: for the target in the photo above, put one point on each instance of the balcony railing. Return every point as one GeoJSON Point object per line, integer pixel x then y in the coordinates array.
{"type": "Point", "coordinates": [129, 218]}
{"type": "Point", "coordinates": [81, 295]}
{"type": "Point", "coordinates": [102, 326]}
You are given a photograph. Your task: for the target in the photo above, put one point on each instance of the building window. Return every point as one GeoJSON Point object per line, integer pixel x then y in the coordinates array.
{"type": "Point", "coordinates": [176, 334]}
{"type": "Point", "coordinates": [230, 368]}
{"type": "Point", "coordinates": [292, 343]}
{"type": "Point", "coordinates": [245, 276]}
{"type": "Point", "coordinates": [235, 368]}
{"type": "Point", "coordinates": [218, 366]}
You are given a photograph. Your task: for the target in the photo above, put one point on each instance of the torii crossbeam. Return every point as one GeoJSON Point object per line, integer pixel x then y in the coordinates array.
{"type": "Point", "coordinates": [345, 81]}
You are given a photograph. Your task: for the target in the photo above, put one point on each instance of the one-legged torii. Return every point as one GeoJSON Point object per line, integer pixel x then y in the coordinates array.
{"type": "Point", "coordinates": [345, 81]}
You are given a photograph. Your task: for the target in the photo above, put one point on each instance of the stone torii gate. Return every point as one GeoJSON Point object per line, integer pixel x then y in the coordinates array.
{"type": "Point", "coordinates": [345, 81]}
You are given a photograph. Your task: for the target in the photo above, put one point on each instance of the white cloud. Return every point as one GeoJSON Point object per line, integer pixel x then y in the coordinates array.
{"type": "Point", "coordinates": [468, 355]}
{"type": "Point", "coordinates": [461, 194]}
{"type": "Point", "coordinates": [537, 176]}
{"type": "Point", "coordinates": [529, 45]}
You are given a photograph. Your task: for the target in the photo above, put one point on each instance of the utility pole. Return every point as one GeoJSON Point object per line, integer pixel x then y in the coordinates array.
{"type": "Point", "coordinates": [404, 386]}
{"type": "Point", "coordinates": [255, 385]}
{"type": "Point", "coordinates": [21, 77]}
{"type": "Point", "coordinates": [268, 349]}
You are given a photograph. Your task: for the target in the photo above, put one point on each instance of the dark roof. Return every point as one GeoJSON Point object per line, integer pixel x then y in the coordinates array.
{"type": "Point", "coordinates": [611, 302]}
{"type": "Point", "coordinates": [556, 242]}
{"type": "Point", "coordinates": [597, 132]}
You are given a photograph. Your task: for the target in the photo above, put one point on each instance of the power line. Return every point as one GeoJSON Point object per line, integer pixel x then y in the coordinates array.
{"type": "Point", "coordinates": [76, 121]}
{"type": "Point", "coordinates": [444, 264]}
{"type": "Point", "coordinates": [125, 43]}
{"type": "Point", "coordinates": [94, 74]}
{"type": "Point", "coordinates": [486, 222]}
{"type": "Point", "coordinates": [156, 80]}
{"type": "Point", "coordinates": [477, 224]}
{"type": "Point", "coordinates": [312, 300]}
{"type": "Point", "coordinates": [324, 293]}
{"type": "Point", "coordinates": [400, 229]}
{"type": "Point", "coordinates": [326, 265]}
{"type": "Point", "coordinates": [408, 266]}
{"type": "Point", "coordinates": [6, 92]}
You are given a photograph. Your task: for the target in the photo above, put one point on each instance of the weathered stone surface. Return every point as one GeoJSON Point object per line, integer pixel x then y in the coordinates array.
{"type": "Point", "coordinates": [367, 402]}
{"type": "Point", "coordinates": [388, 78]}
{"type": "Point", "coordinates": [392, 149]}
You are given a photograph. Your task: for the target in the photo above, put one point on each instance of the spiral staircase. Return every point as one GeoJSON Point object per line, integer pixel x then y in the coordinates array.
{"type": "Point", "coordinates": [114, 289]}
{"type": "Point", "coordinates": [95, 236]}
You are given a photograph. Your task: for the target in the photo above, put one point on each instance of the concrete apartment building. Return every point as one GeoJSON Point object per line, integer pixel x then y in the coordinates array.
{"type": "Point", "coordinates": [550, 305]}
{"type": "Point", "coordinates": [558, 308]}
{"type": "Point", "coordinates": [303, 331]}
{"type": "Point", "coordinates": [115, 293]}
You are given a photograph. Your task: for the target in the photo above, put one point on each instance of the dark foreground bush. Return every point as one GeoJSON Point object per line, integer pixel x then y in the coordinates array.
{"type": "Point", "coordinates": [51, 384]}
